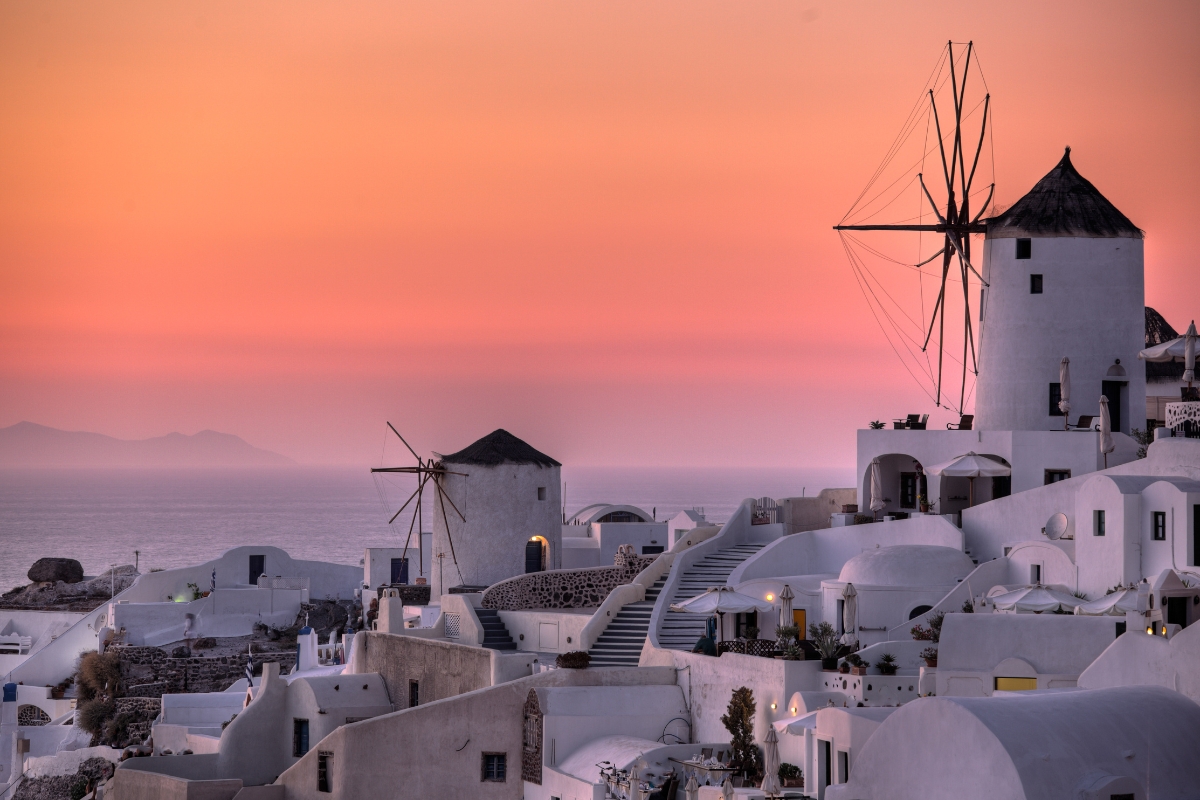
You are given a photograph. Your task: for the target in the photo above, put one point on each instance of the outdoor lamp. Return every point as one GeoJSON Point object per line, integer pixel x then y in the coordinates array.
{"type": "Point", "coordinates": [772, 706]}
{"type": "Point", "coordinates": [1150, 630]}
{"type": "Point", "coordinates": [770, 597]}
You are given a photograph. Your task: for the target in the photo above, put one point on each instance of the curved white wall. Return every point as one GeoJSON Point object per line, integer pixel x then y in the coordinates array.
{"type": "Point", "coordinates": [1091, 310]}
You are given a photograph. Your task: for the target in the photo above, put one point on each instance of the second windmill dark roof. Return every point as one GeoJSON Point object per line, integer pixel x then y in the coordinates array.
{"type": "Point", "coordinates": [500, 447]}
{"type": "Point", "coordinates": [1064, 203]}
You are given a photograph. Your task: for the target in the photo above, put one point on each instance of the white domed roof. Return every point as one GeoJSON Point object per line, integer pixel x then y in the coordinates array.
{"type": "Point", "coordinates": [907, 565]}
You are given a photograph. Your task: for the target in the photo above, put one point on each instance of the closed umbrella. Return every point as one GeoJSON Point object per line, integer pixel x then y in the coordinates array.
{"type": "Point", "coordinates": [876, 487]}
{"type": "Point", "coordinates": [1107, 445]}
{"type": "Point", "coordinates": [770, 785]}
{"type": "Point", "coordinates": [1064, 391]}
{"type": "Point", "coordinates": [727, 789]}
{"type": "Point", "coordinates": [849, 614]}
{"type": "Point", "coordinates": [692, 789]}
{"type": "Point", "coordinates": [1036, 598]}
{"type": "Point", "coordinates": [971, 466]}
{"type": "Point", "coordinates": [785, 612]}
{"type": "Point", "coordinates": [1189, 355]}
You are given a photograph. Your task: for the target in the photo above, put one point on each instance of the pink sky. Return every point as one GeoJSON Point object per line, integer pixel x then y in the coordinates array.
{"type": "Point", "coordinates": [604, 227]}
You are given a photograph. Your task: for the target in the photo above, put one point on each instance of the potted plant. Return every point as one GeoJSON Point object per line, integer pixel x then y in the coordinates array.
{"type": "Point", "coordinates": [886, 664]}
{"type": "Point", "coordinates": [930, 656]}
{"type": "Point", "coordinates": [825, 640]}
{"type": "Point", "coordinates": [790, 775]}
{"type": "Point", "coordinates": [844, 667]}
{"type": "Point", "coordinates": [932, 633]}
{"type": "Point", "coordinates": [857, 665]}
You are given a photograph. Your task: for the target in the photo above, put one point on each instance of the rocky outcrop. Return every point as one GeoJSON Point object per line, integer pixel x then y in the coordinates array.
{"type": "Point", "coordinates": [52, 570]}
{"type": "Point", "coordinates": [62, 787]}
{"type": "Point", "coordinates": [82, 595]}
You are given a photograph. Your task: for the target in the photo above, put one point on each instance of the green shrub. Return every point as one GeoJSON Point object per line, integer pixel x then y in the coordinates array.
{"type": "Point", "coordinates": [824, 638]}
{"type": "Point", "coordinates": [886, 664]}
{"type": "Point", "coordinates": [93, 715]}
{"type": "Point", "coordinates": [788, 771]}
{"type": "Point", "coordinates": [98, 675]}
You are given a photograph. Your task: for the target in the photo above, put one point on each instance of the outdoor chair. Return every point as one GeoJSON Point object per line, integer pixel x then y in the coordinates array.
{"type": "Point", "coordinates": [705, 753]}
{"type": "Point", "coordinates": [920, 424]}
{"type": "Point", "coordinates": [964, 423]}
{"type": "Point", "coordinates": [1084, 424]}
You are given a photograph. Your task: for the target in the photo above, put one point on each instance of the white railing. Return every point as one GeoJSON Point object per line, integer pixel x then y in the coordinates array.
{"type": "Point", "coordinates": [267, 582]}
{"type": "Point", "coordinates": [1184, 416]}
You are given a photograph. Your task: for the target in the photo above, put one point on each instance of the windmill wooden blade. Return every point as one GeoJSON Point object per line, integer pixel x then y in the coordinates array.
{"type": "Point", "coordinates": [420, 486]}
{"type": "Point", "coordinates": [406, 444]}
{"type": "Point", "coordinates": [442, 493]}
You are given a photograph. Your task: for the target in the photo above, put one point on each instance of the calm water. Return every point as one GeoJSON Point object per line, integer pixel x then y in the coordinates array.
{"type": "Point", "coordinates": [176, 518]}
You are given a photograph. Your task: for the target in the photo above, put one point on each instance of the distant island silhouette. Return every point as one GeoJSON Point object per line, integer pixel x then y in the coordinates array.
{"type": "Point", "coordinates": [28, 444]}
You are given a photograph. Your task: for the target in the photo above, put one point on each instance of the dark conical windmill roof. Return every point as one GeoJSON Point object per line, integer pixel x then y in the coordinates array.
{"type": "Point", "coordinates": [1158, 331]}
{"type": "Point", "coordinates": [1064, 203]}
{"type": "Point", "coordinates": [500, 447]}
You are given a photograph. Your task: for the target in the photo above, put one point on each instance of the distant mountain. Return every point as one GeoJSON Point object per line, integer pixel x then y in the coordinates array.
{"type": "Point", "coordinates": [27, 444]}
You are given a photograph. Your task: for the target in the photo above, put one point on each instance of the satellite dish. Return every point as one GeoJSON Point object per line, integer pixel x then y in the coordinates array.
{"type": "Point", "coordinates": [1056, 526]}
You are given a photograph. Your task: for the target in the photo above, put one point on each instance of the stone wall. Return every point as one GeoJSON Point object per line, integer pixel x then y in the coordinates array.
{"type": "Point", "coordinates": [141, 713]}
{"type": "Point", "coordinates": [151, 672]}
{"type": "Point", "coordinates": [412, 595]}
{"type": "Point", "coordinates": [440, 669]}
{"type": "Point", "coordinates": [565, 588]}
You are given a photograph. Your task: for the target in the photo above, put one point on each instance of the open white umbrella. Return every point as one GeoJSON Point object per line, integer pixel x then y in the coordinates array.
{"type": "Point", "coordinates": [770, 784]}
{"type": "Point", "coordinates": [1181, 349]}
{"type": "Point", "coordinates": [1107, 445]}
{"type": "Point", "coordinates": [1035, 598]}
{"type": "Point", "coordinates": [849, 614]}
{"type": "Point", "coordinates": [970, 466]}
{"type": "Point", "coordinates": [1111, 605]}
{"type": "Point", "coordinates": [1064, 393]}
{"type": "Point", "coordinates": [876, 487]}
{"type": "Point", "coordinates": [722, 600]}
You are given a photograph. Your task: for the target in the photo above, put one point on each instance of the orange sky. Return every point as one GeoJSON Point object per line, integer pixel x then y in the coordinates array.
{"type": "Point", "coordinates": [603, 226]}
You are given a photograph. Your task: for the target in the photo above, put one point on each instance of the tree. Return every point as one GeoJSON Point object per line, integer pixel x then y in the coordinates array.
{"type": "Point", "coordinates": [739, 721]}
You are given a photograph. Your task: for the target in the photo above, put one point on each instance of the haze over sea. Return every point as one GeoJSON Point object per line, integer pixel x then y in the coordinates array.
{"type": "Point", "coordinates": [187, 516]}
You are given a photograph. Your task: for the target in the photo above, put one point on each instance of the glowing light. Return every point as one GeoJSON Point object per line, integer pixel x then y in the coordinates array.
{"type": "Point", "coordinates": [772, 706]}
{"type": "Point", "coordinates": [770, 597]}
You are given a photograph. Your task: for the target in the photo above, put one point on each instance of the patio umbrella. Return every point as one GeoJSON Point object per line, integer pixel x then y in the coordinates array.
{"type": "Point", "coordinates": [770, 785]}
{"type": "Point", "coordinates": [727, 789]}
{"type": "Point", "coordinates": [785, 610]}
{"type": "Point", "coordinates": [1176, 350]}
{"type": "Point", "coordinates": [876, 487]}
{"type": "Point", "coordinates": [722, 600]}
{"type": "Point", "coordinates": [1035, 598]}
{"type": "Point", "coordinates": [849, 614]}
{"type": "Point", "coordinates": [1107, 445]}
{"type": "Point", "coordinates": [1064, 386]}
{"type": "Point", "coordinates": [1111, 605]}
{"type": "Point", "coordinates": [1189, 355]}
{"type": "Point", "coordinates": [692, 789]}
{"type": "Point", "coordinates": [970, 466]}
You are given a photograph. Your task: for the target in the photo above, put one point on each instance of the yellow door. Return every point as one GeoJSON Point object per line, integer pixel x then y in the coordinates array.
{"type": "Point", "coordinates": [799, 616]}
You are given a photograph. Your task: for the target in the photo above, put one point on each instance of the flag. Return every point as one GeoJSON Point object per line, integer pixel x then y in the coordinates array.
{"type": "Point", "coordinates": [212, 585]}
{"type": "Point", "coordinates": [249, 667]}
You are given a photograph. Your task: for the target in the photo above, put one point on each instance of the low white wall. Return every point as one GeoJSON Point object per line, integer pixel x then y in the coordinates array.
{"type": "Point", "coordinates": [469, 628]}
{"type": "Point", "coordinates": [225, 612]}
{"type": "Point", "coordinates": [546, 631]}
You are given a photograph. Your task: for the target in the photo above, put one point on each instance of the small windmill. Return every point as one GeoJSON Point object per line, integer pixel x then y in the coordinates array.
{"type": "Point", "coordinates": [426, 470]}
{"type": "Point", "coordinates": [956, 224]}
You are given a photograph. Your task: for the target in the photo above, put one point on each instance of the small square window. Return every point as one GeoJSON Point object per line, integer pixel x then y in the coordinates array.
{"type": "Point", "coordinates": [541, 493]}
{"type": "Point", "coordinates": [414, 693]}
{"type": "Point", "coordinates": [1098, 522]}
{"type": "Point", "coordinates": [1056, 475]}
{"type": "Point", "coordinates": [1035, 284]}
{"type": "Point", "coordinates": [494, 767]}
{"type": "Point", "coordinates": [1159, 526]}
{"type": "Point", "coordinates": [1024, 249]}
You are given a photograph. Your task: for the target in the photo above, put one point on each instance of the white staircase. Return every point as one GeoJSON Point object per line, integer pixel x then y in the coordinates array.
{"type": "Point", "coordinates": [680, 630]}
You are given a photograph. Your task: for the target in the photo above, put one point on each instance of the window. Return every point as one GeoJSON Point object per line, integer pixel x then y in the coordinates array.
{"type": "Point", "coordinates": [918, 611]}
{"type": "Point", "coordinates": [323, 782]}
{"type": "Point", "coordinates": [1158, 527]}
{"type": "Point", "coordinates": [1056, 475]}
{"type": "Point", "coordinates": [1015, 684]}
{"type": "Point", "coordinates": [299, 737]}
{"type": "Point", "coordinates": [1035, 284]}
{"type": "Point", "coordinates": [541, 493]}
{"type": "Point", "coordinates": [651, 549]}
{"type": "Point", "coordinates": [908, 490]}
{"type": "Point", "coordinates": [494, 767]}
{"type": "Point", "coordinates": [1024, 249]}
{"type": "Point", "coordinates": [414, 693]}
{"type": "Point", "coordinates": [1098, 522]}
{"type": "Point", "coordinates": [1055, 396]}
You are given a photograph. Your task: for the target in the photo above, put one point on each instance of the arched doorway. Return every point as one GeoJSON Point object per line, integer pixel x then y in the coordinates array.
{"type": "Point", "coordinates": [903, 481]}
{"type": "Point", "coordinates": [536, 550]}
{"type": "Point", "coordinates": [918, 611]}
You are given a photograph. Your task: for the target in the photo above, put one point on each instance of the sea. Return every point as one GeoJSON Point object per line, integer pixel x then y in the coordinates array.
{"type": "Point", "coordinates": [161, 519]}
